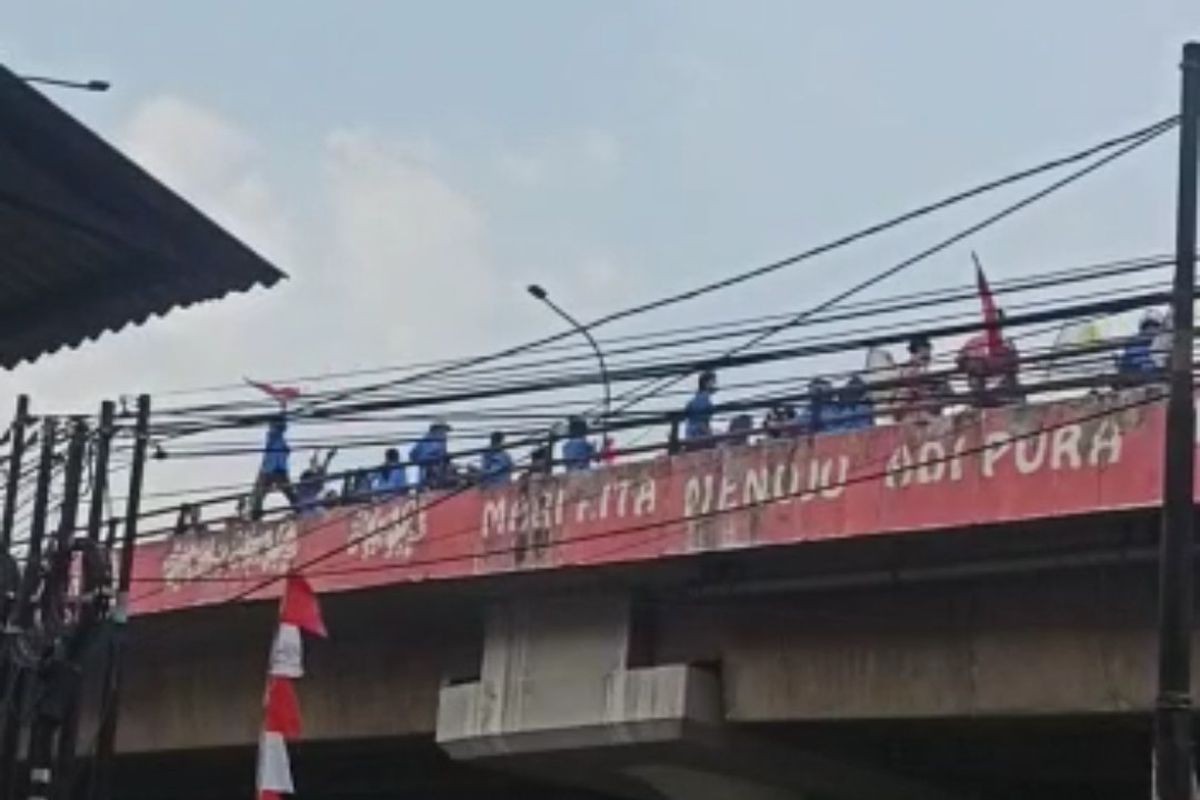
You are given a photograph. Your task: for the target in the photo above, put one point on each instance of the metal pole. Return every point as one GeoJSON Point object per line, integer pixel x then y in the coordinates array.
{"type": "Point", "coordinates": [13, 483]}
{"type": "Point", "coordinates": [111, 690]}
{"type": "Point", "coordinates": [73, 477]}
{"type": "Point", "coordinates": [104, 436]}
{"type": "Point", "coordinates": [69, 734]}
{"type": "Point", "coordinates": [17, 686]}
{"type": "Point", "coordinates": [541, 294]}
{"type": "Point", "coordinates": [47, 714]}
{"type": "Point", "coordinates": [1173, 767]}
{"type": "Point", "coordinates": [110, 538]}
{"type": "Point", "coordinates": [8, 706]}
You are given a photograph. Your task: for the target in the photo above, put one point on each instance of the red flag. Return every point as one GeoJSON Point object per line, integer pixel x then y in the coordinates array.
{"type": "Point", "coordinates": [991, 317]}
{"type": "Point", "coordinates": [299, 607]}
{"type": "Point", "coordinates": [281, 394]}
{"type": "Point", "coordinates": [282, 708]}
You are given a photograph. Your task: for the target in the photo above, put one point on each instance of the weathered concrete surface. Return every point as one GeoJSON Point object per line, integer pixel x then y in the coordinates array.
{"type": "Point", "coordinates": [198, 683]}
{"type": "Point", "coordinates": [1065, 643]}
{"type": "Point", "coordinates": [557, 689]}
{"type": "Point", "coordinates": [1058, 645]}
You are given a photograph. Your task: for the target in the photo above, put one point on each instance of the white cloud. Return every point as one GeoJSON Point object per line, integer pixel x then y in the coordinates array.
{"type": "Point", "coordinates": [214, 164]}
{"type": "Point", "coordinates": [409, 256]}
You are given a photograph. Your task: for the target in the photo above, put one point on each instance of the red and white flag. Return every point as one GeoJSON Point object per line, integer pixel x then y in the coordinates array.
{"type": "Point", "coordinates": [298, 611]}
{"type": "Point", "coordinates": [281, 394]}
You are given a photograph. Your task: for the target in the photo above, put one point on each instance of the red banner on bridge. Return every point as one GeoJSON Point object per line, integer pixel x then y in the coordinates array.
{"type": "Point", "coordinates": [1003, 465]}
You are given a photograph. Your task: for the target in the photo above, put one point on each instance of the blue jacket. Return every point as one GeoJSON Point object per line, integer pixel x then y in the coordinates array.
{"type": "Point", "coordinates": [495, 467]}
{"type": "Point", "coordinates": [698, 416]}
{"type": "Point", "coordinates": [390, 478]}
{"type": "Point", "coordinates": [849, 416]}
{"type": "Point", "coordinates": [815, 418]}
{"type": "Point", "coordinates": [578, 454]}
{"type": "Point", "coordinates": [1136, 357]}
{"type": "Point", "coordinates": [276, 450]}
{"type": "Point", "coordinates": [429, 455]}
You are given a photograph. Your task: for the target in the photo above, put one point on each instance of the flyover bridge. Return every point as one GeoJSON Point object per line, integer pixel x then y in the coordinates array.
{"type": "Point", "coordinates": [959, 609]}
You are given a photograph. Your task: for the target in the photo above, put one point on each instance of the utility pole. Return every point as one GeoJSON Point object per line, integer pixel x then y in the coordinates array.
{"type": "Point", "coordinates": [11, 580]}
{"type": "Point", "coordinates": [12, 484]}
{"type": "Point", "coordinates": [1173, 756]}
{"type": "Point", "coordinates": [111, 690]}
{"type": "Point", "coordinates": [95, 589]}
{"type": "Point", "coordinates": [48, 707]}
{"type": "Point", "coordinates": [22, 616]}
{"type": "Point", "coordinates": [104, 435]}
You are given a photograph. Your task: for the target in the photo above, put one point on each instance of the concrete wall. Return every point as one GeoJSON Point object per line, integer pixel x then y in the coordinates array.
{"type": "Point", "coordinates": [198, 681]}
{"type": "Point", "coordinates": [1068, 643]}
{"type": "Point", "coordinates": [1054, 644]}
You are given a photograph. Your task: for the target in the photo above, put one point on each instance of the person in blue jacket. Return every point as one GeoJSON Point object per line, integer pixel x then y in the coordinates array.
{"type": "Point", "coordinates": [273, 471]}
{"type": "Point", "coordinates": [431, 457]}
{"type": "Point", "coordinates": [495, 465]}
{"type": "Point", "coordinates": [815, 416]}
{"type": "Point", "coordinates": [1137, 357]}
{"type": "Point", "coordinates": [391, 478]}
{"type": "Point", "coordinates": [853, 408]}
{"type": "Point", "coordinates": [698, 413]}
{"type": "Point", "coordinates": [577, 452]}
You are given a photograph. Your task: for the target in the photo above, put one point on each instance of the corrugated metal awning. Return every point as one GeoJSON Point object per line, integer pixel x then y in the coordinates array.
{"type": "Point", "coordinates": [90, 242]}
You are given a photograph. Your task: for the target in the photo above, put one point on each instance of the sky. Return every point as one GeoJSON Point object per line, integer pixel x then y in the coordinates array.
{"type": "Point", "coordinates": [412, 166]}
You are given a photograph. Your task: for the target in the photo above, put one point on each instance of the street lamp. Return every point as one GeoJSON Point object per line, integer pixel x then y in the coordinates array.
{"type": "Point", "coordinates": [85, 86]}
{"type": "Point", "coordinates": [539, 293]}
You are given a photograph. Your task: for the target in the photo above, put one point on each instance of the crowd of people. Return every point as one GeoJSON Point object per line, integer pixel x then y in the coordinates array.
{"type": "Point", "coordinates": [987, 368]}
{"type": "Point", "coordinates": [826, 409]}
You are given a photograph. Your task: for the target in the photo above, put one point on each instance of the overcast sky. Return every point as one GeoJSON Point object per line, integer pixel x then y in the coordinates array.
{"type": "Point", "coordinates": [413, 165]}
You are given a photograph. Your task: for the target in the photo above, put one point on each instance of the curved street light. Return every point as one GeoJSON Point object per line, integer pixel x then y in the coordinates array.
{"type": "Point", "coordinates": [539, 293]}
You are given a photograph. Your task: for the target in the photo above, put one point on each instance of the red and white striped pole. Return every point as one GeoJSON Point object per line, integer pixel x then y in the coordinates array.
{"type": "Point", "coordinates": [299, 612]}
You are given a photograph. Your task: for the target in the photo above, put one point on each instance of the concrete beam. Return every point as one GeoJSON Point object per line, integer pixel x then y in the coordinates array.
{"type": "Point", "coordinates": [556, 699]}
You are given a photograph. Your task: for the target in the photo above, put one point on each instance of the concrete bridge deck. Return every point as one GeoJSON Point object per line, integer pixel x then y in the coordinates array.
{"type": "Point", "coordinates": [957, 610]}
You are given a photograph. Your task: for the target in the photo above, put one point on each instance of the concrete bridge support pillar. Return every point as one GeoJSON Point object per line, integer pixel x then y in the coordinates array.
{"type": "Point", "coordinates": [557, 697]}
